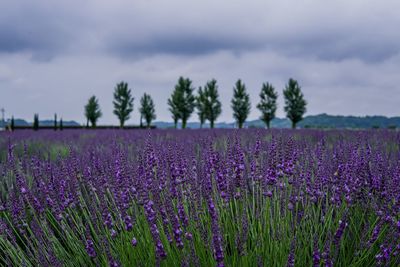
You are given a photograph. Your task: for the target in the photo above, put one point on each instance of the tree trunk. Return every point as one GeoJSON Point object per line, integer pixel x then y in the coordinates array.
{"type": "Point", "coordinates": [293, 125]}
{"type": "Point", "coordinates": [183, 124]}
{"type": "Point", "coordinates": [212, 124]}
{"type": "Point", "coordinates": [176, 123]}
{"type": "Point", "coordinates": [240, 125]}
{"type": "Point", "coordinates": [268, 122]}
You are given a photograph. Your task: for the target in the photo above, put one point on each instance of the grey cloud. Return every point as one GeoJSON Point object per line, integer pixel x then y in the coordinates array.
{"type": "Point", "coordinates": [134, 29]}
{"type": "Point", "coordinates": [180, 44]}
{"type": "Point", "coordinates": [331, 32]}
{"type": "Point", "coordinates": [44, 29]}
{"type": "Point", "coordinates": [337, 48]}
{"type": "Point", "coordinates": [340, 51]}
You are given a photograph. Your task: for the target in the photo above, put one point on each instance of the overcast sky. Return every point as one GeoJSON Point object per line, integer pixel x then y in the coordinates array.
{"type": "Point", "coordinates": [55, 54]}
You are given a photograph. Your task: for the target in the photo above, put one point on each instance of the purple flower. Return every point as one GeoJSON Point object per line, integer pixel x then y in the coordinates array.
{"type": "Point", "coordinates": [339, 232]}
{"type": "Point", "coordinates": [384, 255]}
{"type": "Point", "coordinates": [316, 257]}
{"type": "Point", "coordinates": [128, 223]}
{"type": "Point", "coordinates": [188, 236]}
{"type": "Point", "coordinates": [291, 256]}
{"type": "Point", "coordinates": [113, 233]}
{"type": "Point", "coordinates": [134, 242]}
{"type": "Point", "coordinates": [375, 234]}
{"type": "Point", "coordinates": [268, 193]}
{"type": "Point", "coordinates": [217, 239]}
{"type": "Point", "coordinates": [108, 221]}
{"type": "Point", "coordinates": [90, 248]}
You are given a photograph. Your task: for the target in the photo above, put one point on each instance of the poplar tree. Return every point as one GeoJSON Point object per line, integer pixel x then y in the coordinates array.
{"type": "Point", "coordinates": [201, 102]}
{"type": "Point", "coordinates": [295, 104]}
{"type": "Point", "coordinates": [240, 103]}
{"type": "Point", "coordinates": [182, 101]}
{"type": "Point", "coordinates": [267, 104]}
{"type": "Point", "coordinates": [55, 121]}
{"type": "Point", "coordinates": [92, 111]}
{"type": "Point", "coordinates": [36, 122]}
{"type": "Point", "coordinates": [213, 104]}
{"type": "Point", "coordinates": [123, 102]}
{"type": "Point", "coordinates": [147, 109]}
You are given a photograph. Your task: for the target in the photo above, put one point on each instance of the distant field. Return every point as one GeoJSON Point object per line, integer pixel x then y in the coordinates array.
{"type": "Point", "coordinates": [249, 197]}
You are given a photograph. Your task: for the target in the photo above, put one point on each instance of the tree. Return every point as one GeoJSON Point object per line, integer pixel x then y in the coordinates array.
{"type": "Point", "coordinates": [201, 100]}
{"type": "Point", "coordinates": [267, 105]}
{"type": "Point", "coordinates": [147, 109]}
{"type": "Point", "coordinates": [123, 102]}
{"type": "Point", "coordinates": [61, 124]}
{"type": "Point", "coordinates": [212, 103]}
{"type": "Point", "coordinates": [12, 124]}
{"type": "Point", "coordinates": [55, 121]}
{"type": "Point", "coordinates": [92, 111]}
{"type": "Point", "coordinates": [240, 103]}
{"type": "Point", "coordinates": [295, 105]}
{"type": "Point", "coordinates": [173, 103]}
{"type": "Point", "coordinates": [182, 101]}
{"type": "Point", "coordinates": [36, 122]}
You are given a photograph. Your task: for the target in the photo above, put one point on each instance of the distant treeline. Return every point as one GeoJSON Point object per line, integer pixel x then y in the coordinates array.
{"type": "Point", "coordinates": [78, 127]}
{"type": "Point", "coordinates": [184, 102]}
{"type": "Point", "coordinates": [324, 121]}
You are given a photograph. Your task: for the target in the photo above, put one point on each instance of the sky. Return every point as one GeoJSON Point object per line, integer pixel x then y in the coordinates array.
{"type": "Point", "coordinates": [54, 55]}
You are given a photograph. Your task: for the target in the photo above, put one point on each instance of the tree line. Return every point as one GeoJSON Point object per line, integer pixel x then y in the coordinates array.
{"type": "Point", "coordinates": [123, 106]}
{"type": "Point", "coordinates": [183, 102]}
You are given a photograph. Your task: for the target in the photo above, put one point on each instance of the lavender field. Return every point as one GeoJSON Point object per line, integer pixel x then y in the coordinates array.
{"type": "Point", "coordinates": [200, 198]}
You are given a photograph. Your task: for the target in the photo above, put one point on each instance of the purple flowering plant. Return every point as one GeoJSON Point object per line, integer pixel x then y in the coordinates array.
{"type": "Point", "coordinates": [247, 197]}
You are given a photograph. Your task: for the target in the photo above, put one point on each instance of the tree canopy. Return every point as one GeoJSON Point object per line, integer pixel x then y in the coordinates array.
{"type": "Point", "coordinates": [92, 111]}
{"type": "Point", "coordinates": [240, 103]}
{"type": "Point", "coordinates": [123, 102]}
{"type": "Point", "coordinates": [147, 109]}
{"type": "Point", "coordinates": [267, 104]}
{"type": "Point", "coordinates": [295, 104]}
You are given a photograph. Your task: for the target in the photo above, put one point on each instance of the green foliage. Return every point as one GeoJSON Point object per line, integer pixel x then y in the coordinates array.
{"type": "Point", "coordinates": [147, 109]}
{"type": "Point", "coordinates": [123, 102]}
{"type": "Point", "coordinates": [173, 103]}
{"type": "Point", "coordinates": [208, 104]}
{"type": "Point", "coordinates": [201, 105]}
{"type": "Point", "coordinates": [12, 124]}
{"type": "Point", "coordinates": [240, 103]}
{"type": "Point", "coordinates": [182, 101]}
{"type": "Point", "coordinates": [92, 111]}
{"type": "Point", "coordinates": [295, 104]}
{"type": "Point", "coordinates": [267, 104]}
{"type": "Point", "coordinates": [36, 122]}
{"type": "Point", "coordinates": [212, 103]}
{"type": "Point", "coordinates": [55, 121]}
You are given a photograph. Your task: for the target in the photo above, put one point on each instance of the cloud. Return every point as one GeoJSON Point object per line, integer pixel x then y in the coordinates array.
{"type": "Point", "coordinates": [344, 53]}
{"type": "Point", "coordinates": [44, 29]}
{"type": "Point", "coordinates": [330, 31]}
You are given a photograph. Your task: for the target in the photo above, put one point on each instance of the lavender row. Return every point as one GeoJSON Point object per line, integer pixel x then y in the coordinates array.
{"type": "Point", "coordinates": [200, 198]}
